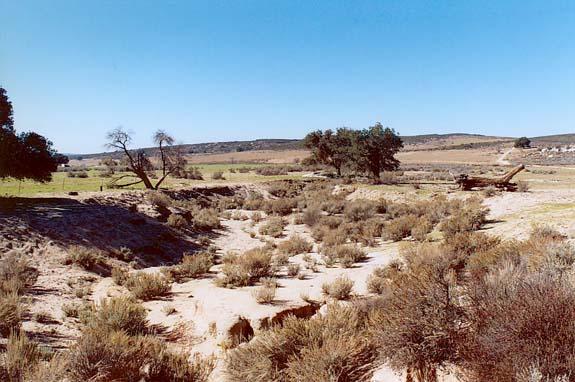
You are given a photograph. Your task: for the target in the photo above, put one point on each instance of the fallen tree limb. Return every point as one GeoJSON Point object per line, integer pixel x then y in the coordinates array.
{"type": "Point", "coordinates": [467, 182]}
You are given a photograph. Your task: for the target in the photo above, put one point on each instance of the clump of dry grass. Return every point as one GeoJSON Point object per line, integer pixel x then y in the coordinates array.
{"type": "Point", "coordinates": [378, 282]}
{"type": "Point", "coordinates": [246, 269]}
{"type": "Point", "coordinates": [117, 314]}
{"type": "Point", "coordinates": [522, 186]}
{"type": "Point", "coordinates": [345, 254]}
{"type": "Point", "coordinates": [400, 227]}
{"type": "Point", "coordinates": [360, 210]}
{"type": "Point", "coordinates": [147, 286]}
{"type": "Point", "coordinates": [469, 218]}
{"type": "Point", "coordinates": [159, 199]}
{"type": "Point", "coordinates": [274, 227]}
{"type": "Point", "coordinates": [205, 219]}
{"type": "Point", "coordinates": [295, 245]}
{"type": "Point", "coordinates": [177, 221]}
{"type": "Point", "coordinates": [10, 313]}
{"type": "Point", "coordinates": [16, 274]}
{"type": "Point", "coordinates": [334, 346]}
{"type": "Point", "coordinates": [281, 207]}
{"type": "Point", "coordinates": [293, 269]}
{"type": "Point", "coordinates": [264, 294]}
{"type": "Point", "coordinates": [311, 216]}
{"type": "Point", "coordinates": [89, 259]}
{"type": "Point", "coordinates": [19, 359]}
{"type": "Point", "coordinates": [421, 229]}
{"type": "Point", "coordinates": [339, 289]}
{"type": "Point", "coordinates": [191, 266]}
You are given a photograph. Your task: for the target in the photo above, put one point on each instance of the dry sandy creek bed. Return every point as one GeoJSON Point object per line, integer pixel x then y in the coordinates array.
{"type": "Point", "coordinates": [208, 317]}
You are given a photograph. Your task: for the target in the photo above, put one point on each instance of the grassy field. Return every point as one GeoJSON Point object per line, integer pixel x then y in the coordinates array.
{"type": "Point", "coordinates": [61, 183]}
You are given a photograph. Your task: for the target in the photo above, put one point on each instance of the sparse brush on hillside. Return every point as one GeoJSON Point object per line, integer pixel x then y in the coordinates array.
{"type": "Point", "coordinates": [90, 259]}
{"type": "Point", "coordinates": [330, 347]}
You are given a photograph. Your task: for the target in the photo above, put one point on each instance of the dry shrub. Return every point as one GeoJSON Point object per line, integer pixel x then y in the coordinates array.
{"type": "Point", "coordinates": [147, 286]}
{"type": "Point", "coordinates": [117, 314]}
{"type": "Point", "coordinates": [365, 232]}
{"type": "Point", "coordinates": [271, 170]}
{"type": "Point", "coordinates": [470, 218]}
{"type": "Point", "coordinates": [247, 268]}
{"type": "Point", "coordinates": [205, 219]}
{"type": "Point", "coordinates": [119, 275]}
{"type": "Point", "coordinates": [159, 199]}
{"type": "Point", "coordinates": [167, 365]}
{"type": "Point", "coordinates": [16, 275]}
{"type": "Point", "coordinates": [264, 294]}
{"type": "Point", "coordinates": [54, 370]}
{"type": "Point", "coordinates": [295, 245]}
{"type": "Point", "coordinates": [103, 356]}
{"type": "Point", "coordinates": [115, 356]}
{"type": "Point", "coordinates": [360, 210]}
{"type": "Point", "coordinates": [177, 221]}
{"type": "Point", "coordinates": [399, 228]}
{"type": "Point", "coordinates": [284, 188]}
{"type": "Point", "coordinates": [218, 175]}
{"type": "Point", "coordinates": [274, 227]}
{"type": "Point", "coordinates": [522, 186]}
{"type": "Point", "coordinates": [256, 217]}
{"type": "Point", "coordinates": [89, 259]}
{"type": "Point", "coordinates": [521, 321]}
{"type": "Point", "coordinates": [329, 347]}
{"type": "Point", "coordinates": [191, 266]}
{"type": "Point", "coordinates": [19, 359]}
{"type": "Point", "coordinates": [10, 313]}
{"type": "Point", "coordinates": [340, 288]}
{"type": "Point", "coordinates": [490, 191]}
{"type": "Point", "coordinates": [421, 229]}
{"type": "Point", "coordinates": [345, 254]}
{"type": "Point", "coordinates": [311, 216]}
{"type": "Point", "coordinates": [281, 207]}
{"type": "Point", "coordinates": [293, 270]}
{"type": "Point", "coordinates": [419, 320]}
{"type": "Point", "coordinates": [379, 281]}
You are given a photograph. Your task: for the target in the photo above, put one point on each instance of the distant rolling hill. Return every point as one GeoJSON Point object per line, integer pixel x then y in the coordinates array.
{"type": "Point", "coordinates": [413, 142]}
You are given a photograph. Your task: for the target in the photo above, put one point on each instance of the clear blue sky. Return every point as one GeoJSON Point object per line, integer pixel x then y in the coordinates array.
{"type": "Point", "coordinates": [226, 70]}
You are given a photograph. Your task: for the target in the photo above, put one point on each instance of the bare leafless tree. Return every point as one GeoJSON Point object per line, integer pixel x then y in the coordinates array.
{"type": "Point", "coordinates": [170, 158]}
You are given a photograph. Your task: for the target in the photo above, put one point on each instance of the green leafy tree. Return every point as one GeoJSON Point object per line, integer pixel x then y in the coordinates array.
{"type": "Point", "coordinates": [375, 148]}
{"type": "Point", "coordinates": [523, 143]}
{"type": "Point", "coordinates": [25, 155]}
{"type": "Point", "coordinates": [331, 149]}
